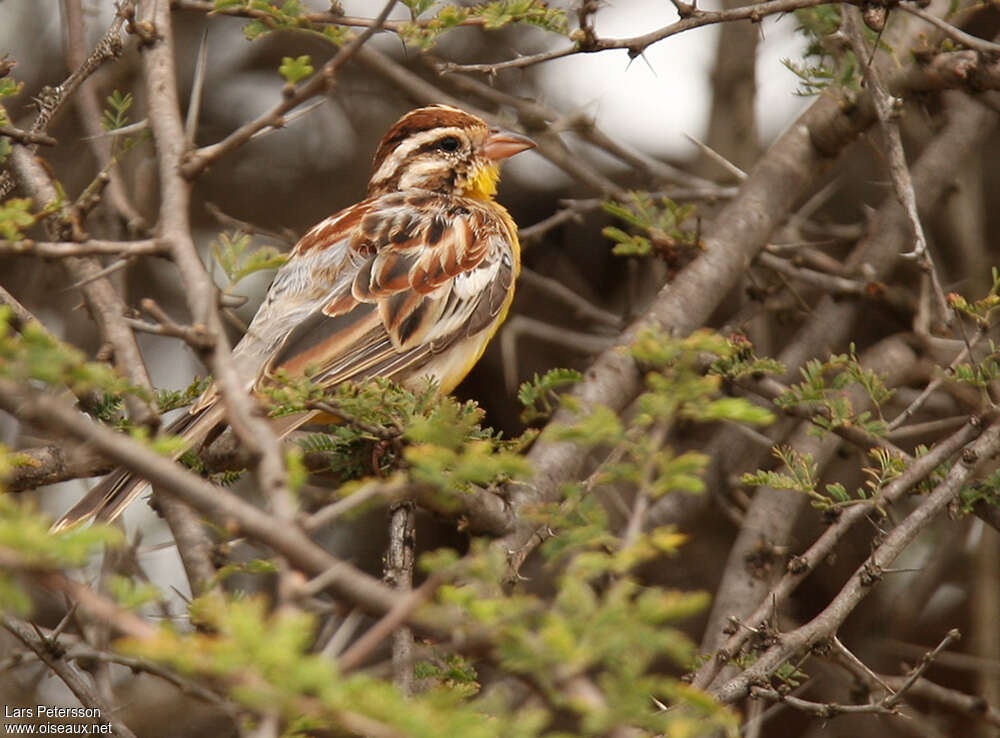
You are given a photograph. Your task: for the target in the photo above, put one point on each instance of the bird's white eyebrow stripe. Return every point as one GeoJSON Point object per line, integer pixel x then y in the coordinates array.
{"type": "Point", "coordinates": [408, 146]}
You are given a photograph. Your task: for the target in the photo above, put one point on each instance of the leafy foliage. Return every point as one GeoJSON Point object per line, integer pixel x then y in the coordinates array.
{"type": "Point", "coordinates": [539, 394]}
{"type": "Point", "coordinates": [800, 475]}
{"type": "Point", "coordinates": [984, 490]}
{"type": "Point", "coordinates": [439, 441]}
{"type": "Point", "coordinates": [603, 624]}
{"type": "Point", "coordinates": [27, 545]}
{"type": "Point", "coordinates": [132, 594]}
{"type": "Point", "coordinates": [168, 399]}
{"type": "Point", "coordinates": [15, 216]}
{"type": "Point", "coordinates": [295, 70]}
{"type": "Point", "coordinates": [741, 361]}
{"type": "Point", "coordinates": [269, 16]}
{"type": "Point", "coordinates": [33, 354]}
{"type": "Point", "coordinates": [824, 388]}
{"type": "Point", "coordinates": [662, 223]}
{"type": "Point", "coordinates": [265, 664]}
{"type": "Point", "coordinates": [979, 373]}
{"type": "Point", "coordinates": [8, 88]}
{"type": "Point", "coordinates": [830, 63]}
{"type": "Point", "coordinates": [982, 310]}
{"type": "Point", "coordinates": [425, 32]}
{"type": "Point", "coordinates": [236, 258]}
{"type": "Point", "coordinates": [676, 391]}
{"type": "Point", "coordinates": [116, 115]}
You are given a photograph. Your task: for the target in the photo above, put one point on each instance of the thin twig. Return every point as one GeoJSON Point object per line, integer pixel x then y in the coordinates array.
{"type": "Point", "coordinates": [957, 34]}
{"type": "Point", "coordinates": [27, 137]}
{"type": "Point", "coordinates": [354, 656]}
{"type": "Point", "coordinates": [90, 247]}
{"type": "Point", "coordinates": [799, 567]}
{"type": "Point", "coordinates": [196, 161]}
{"type": "Point", "coordinates": [71, 676]}
{"type": "Point", "coordinates": [899, 171]}
{"type": "Point", "coordinates": [860, 584]}
{"type": "Point", "coordinates": [925, 662]}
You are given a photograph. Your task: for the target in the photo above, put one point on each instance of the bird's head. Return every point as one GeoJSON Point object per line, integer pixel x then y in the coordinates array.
{"type": "Point", "coordinates": [443, 149]}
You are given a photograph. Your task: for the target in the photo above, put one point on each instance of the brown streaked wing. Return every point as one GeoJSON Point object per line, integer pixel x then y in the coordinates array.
{"type": "Point", "coordinates": [402, 304]}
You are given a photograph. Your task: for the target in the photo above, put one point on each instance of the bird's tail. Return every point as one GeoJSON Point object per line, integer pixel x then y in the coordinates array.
{"type": "Point", "coordinates": [108, 500]}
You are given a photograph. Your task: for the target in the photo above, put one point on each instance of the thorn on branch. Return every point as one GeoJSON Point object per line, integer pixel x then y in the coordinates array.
{"type": "Point", "coordinates": [870, 574]}
{"type": "Point", "coordinates": [685, 10]}
{"type": "Point", "coordinates": [925, 661]}
{"type": "Point", "coordinates": [798, 565]}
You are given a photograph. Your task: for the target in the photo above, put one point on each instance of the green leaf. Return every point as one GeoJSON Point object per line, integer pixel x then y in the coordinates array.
{"type": "Point", "coordinates": [295, 69]}
{"type": "Point", "coordinates": [233, 254]}
{"type": "Point", "coordinates": [10, 87]}
{"type": "Point", "coordinates": [601, 425]}
{"type": "Point", "coordinates": [738, 410]}
{"type": "Point", "coordinates": [255, 29]}
{"type": "Point", "coordinates": [167, 399]}
{"type": "Point", "coordinates": [418, 7]}
{"type": "Point", "coordinates": [131, 594]}
{"type": "Point", "coordinates": [539, 394]}
{"type": "Point", "coordinates": [662, 224]}
{"type": "Point", "coordinates": [15, 215]}
{"type": "Point", "coordinates": [116, 115]}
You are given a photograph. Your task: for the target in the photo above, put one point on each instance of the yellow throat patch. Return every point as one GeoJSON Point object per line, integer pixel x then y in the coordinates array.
{"type": "Point", "coordinates": [482, 183]}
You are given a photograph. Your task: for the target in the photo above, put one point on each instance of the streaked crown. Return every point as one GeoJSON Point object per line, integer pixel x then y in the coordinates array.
{"type": "Point", "coordinates": [442, 149]}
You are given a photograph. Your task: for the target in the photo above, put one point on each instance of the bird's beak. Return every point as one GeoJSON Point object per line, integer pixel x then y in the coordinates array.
{"type": "Point", "coordinates": [502, 144]}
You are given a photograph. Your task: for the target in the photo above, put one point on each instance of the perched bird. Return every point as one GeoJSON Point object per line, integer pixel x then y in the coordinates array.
{"type": "Point", "coordinates": [412, 281]}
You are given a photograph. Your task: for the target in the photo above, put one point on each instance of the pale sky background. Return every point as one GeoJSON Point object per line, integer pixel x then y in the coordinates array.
{"type": "Point", "coordinates": [669, 86]}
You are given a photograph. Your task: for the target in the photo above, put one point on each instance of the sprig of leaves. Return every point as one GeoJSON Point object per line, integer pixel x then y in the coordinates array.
{"type": "Point", "coordinates": [295, 70]}
{"type": "Point", "coordinates": [234, 255]}
{"type": "Point", "coordinates": [825, 386]}
{"type": "Point", "coordinates": [290, 15]}
{"type": "Point", "coordinates": [678, 391]}
{"type": "Point", "coordinates": [24, 535]}
{"type": "Point", "coordinates": [539, 396]}
{"type": "Point", "coordinates": [15, 217]}
{"type": "Point", "coordinates": [170, 399]}
{"type": "Point", "coordinates": [661, 225]}
{"type": "Point", "coordinates": [830, 63]}
{"type": "Point", "coordinates": [34, 354]}
{"type": "Point", "coordinates": [801, 475]}
{"type": "Point", "coordinates": [9, 87]}
{"type": "Point", "coordinates": [425, 32]}
{"type": "Point", "coordinates": [116, 114]}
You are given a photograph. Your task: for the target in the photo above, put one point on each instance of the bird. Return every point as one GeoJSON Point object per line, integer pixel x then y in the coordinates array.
{"type": "Point", "coordinates": [411, 282]}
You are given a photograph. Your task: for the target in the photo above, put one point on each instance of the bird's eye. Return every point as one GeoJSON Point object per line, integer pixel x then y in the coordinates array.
{"type": "Point", "coordinates": [449, 143]}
